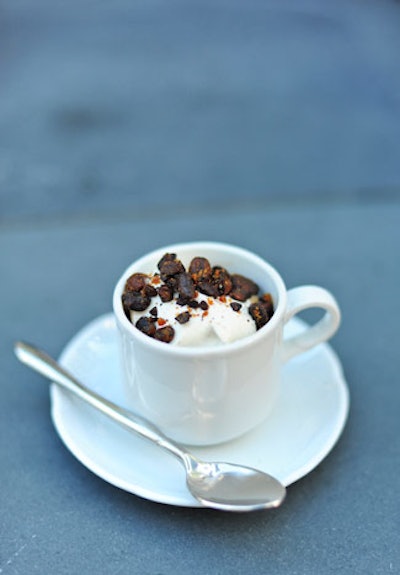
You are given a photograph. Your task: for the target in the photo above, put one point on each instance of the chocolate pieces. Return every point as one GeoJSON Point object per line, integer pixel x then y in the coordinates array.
{"type": "Point", "coordinates": [262, 310]}
{"type": "Point", "coordinates": [165, 334]}
{"type": "Point", "coordinates": [243, 288]}
{"type": "Point", "coordinates": [174, 282]}
{"type": "Point", "coordinates": [135, 301]}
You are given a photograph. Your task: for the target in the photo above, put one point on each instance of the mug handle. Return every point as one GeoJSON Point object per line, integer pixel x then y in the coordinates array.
{"type": "Point", "coordinates": [305, 297]}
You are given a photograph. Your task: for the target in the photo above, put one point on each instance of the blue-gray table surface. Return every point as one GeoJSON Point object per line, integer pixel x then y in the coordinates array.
{"type": "Point", "coordinates": [124, 127]}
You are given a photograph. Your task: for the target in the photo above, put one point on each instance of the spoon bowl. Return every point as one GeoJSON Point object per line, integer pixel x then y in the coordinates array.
{"type": "Point", "coordinates": [219, 485]}
{"type": "Point", "coordinates": [232, 487]}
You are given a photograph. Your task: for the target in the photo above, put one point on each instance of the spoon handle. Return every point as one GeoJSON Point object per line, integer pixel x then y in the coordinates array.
{"type": "Point", "coordinates": [39, 361]}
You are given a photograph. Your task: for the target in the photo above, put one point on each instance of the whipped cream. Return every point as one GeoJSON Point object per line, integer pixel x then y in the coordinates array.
{"type": "Point", "coordinates": [219, 324]}
{"type": "Point", "coordinates": [200, 306]}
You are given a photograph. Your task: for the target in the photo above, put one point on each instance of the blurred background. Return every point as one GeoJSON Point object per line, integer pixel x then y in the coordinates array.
{"type": "Point", "coordinates": [154, 107]}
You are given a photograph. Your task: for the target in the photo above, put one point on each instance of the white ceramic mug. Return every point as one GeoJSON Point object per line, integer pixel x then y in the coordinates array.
{"type": "Point", "coordinates": [207, 395]}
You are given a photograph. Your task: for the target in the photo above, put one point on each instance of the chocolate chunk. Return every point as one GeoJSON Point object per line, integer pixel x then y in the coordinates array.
{"type": "Point", "coordinates": [204, 305]}
{"type": "Point", "coordinates": [208, 288]}
{"type": "Point", "coordinates": [186, 286]}
{"type": "Point", "coordinates": [169, 268]}
{"type": "Point", "coordinates": [154, 311]}
{"type": "Point", "coordinates": [193, 303]}
{"type": "Point", "coordinates": [150, 291]}
{"type": "Point", "coordinates": [165, 293]}
{"type": "Point", "coordinates": [125, 305]}
{"type": "Point", "coordinates": [200, 269]}
{"type": "Point", "coordinates": [183, 317]}
{"type": "Point", "coordinates": [146, 325]}
{"type": "Point", "coordinates": [181, 300]}
{"type": "Point", "coordinates": [236, 306]}
{"type": "Point", "coordinates": [136, 282]}
{"type": "Point", "coordinates": [165, 334]}
{"type": "Point", "coordinates": [219, 283]}
{"type": "Point", "coordinates": [266, 301]}
{"type": "Point", "coordinates": [259, 314]}
{"type": "Point", "coordinates": [242, 287]}
{"type": "Point", "coordinates": [172, 282]}
{"type": "Point", "coordinates": [166, 258]}
{"type": "Point", "coordinates": [222, 279]}
{"type": "Point", "coordinates": [135, 301]}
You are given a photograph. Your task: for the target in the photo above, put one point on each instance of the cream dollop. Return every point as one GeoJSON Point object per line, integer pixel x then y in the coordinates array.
{"type": "Point", "coordinates": [219, 324]}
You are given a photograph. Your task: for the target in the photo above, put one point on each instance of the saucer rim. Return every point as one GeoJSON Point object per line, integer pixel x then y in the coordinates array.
{"type": "Point", "coordinates": [58, 395]}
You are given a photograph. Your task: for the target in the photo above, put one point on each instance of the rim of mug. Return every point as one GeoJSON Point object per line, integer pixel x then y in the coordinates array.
{"type": "Point", "coordinates": [203, 351]}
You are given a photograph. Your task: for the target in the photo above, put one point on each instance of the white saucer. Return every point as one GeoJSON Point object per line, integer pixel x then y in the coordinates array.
{"type": "Point", "coordinates": [304, 426]}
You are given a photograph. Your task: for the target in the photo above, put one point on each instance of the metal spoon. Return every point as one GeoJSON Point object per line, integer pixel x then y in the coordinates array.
{"type": "Point", "coordinates": [225, 486]}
